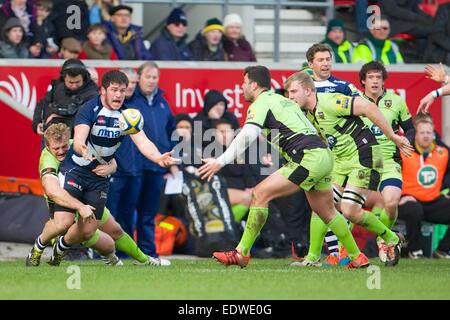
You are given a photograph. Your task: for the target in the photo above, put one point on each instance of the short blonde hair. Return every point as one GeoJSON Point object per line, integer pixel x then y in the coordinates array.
{"type": "Point", "coordinates": [57, 132]}
{"type": "Point", "coordinates": [301, 77]}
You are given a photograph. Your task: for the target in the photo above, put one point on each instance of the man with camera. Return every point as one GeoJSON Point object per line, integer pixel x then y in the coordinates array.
{"type": "Point", "coordinates": [68, 93]}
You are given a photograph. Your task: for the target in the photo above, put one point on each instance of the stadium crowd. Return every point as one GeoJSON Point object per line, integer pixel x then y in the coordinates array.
{"type": "Point", "coordinates": [37, 29]}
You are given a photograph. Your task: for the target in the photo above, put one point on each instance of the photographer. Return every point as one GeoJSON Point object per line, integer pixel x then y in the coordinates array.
{"type": "Point", "coordinates": [73, 88]}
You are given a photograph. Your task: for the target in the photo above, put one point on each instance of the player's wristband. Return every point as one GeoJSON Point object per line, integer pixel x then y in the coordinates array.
{"type": "Point", "coordinates": [436, 93]}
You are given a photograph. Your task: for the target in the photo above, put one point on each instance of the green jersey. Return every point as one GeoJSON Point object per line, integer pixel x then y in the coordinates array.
{"type": "Point", "coordinates": [284, 125]}
{"type": "Point", "coordinates": [347, 135]}
{"type": "Point", "coordinates": [48, 165]}
{"type": "Point", "coordinates": [396, 112]}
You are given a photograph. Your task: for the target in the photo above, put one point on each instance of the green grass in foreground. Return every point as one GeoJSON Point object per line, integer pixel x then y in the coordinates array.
{"type": "Point", "coordinates": [206, 279]}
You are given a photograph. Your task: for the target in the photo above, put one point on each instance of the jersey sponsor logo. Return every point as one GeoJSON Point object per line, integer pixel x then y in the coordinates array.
{"type": "Point", "coordinates": [116, 123]}
{"type": "Point", "coordinates": [427, 176]}
{"type": "Point", "coordinates": [376, 130]}
{"type": "Point", "coordinates": [72, 183]}
{"type": "Point", "coordinates": [105, 133]}
{"type": "Point", "coordinates": [343, 103]}
{"type": "Point", "coordinates": [101, 120]}
{"type": "Point", "coordinates": [388, 103]}
{"type": "Point", "coordinates": [250, 114]}
{"type": "Point", "coordinates": [331, 140]}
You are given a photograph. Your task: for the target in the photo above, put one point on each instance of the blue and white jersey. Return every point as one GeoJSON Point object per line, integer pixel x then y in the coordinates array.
{"type": "Point", "coordinates": [333, 84]}
{"type": "Point", "coordinates": [104, 137]}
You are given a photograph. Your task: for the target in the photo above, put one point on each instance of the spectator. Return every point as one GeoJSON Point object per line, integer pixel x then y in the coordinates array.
{"type": "Point", "coordinates": [13, 45]}
{"type": "Point", "coordinates": [96, 46]}
{"type": "Point", "coordinates": [335, 38]}
{"type": "Point", "coordinates": [423, 174]}
{"type": "Point", "coordinates": [24, 10]}
{"type": "Point", "coordinates": [171, 44]}
{"type": "Point", "coordinates": [99, 11]}
{"type": "Point", "coordinates": [43, 30]}
{"type": "Point", "coordinates": [159, 124]}
{"type": "Point", "coordinates": [378, 47]}
{"type": "Point", "coordinates": [126, 182]}
{"type": "Point", "coordinates": [67, 21]}
{"type": "Point", "coordinates": [208, 45]}
{"type": "Point", "coordinates": [239, 179]}
{"type": "Point", "coordinates": [235, 45]}
{"type": "Point", "coordinates": [126, 38]}
{"type": "Point", "coordinates": [438, 49]}
{"type": "Point", "coordinates": [70, 49]}
{"type": "Point", "coordinates": [133, 80]}
{"type": "Point", "coordinates": [73, 88]}
{"type": "Point", "coordinates": [214, 108]}
{"type": "Point", "coordinates": [405, 16]}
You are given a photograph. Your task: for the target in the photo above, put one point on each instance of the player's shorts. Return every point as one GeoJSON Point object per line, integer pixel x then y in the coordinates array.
{"type": "Point", "coordinates": [86, 188]}
{"type": "Point", "coordinates": [391, 174]}
{"type": "Point", "coordinates": [352, 172]}
{"type": "Point", "coordinates": [313, 172]}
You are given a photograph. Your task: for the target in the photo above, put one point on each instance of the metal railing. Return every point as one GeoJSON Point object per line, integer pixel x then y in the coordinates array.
{"type": "Point", "coordinates": [327, 5]}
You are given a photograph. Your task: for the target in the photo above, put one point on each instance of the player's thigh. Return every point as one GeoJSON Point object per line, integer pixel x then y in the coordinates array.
{"type": "Point", "coordinates": [274, 186]}
{"type": "Point", "coordinates": [96, 197]}
{"type": "Point", "coordinates": [63, 219]}
{"type": "Point", "coordinates": [374, 199]}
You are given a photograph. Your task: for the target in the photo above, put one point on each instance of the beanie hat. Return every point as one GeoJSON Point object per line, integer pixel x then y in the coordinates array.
{"type": "Point", "coordinates": [212, 97]}
{"type": "Point", "coordinates": [177, 15]}
{"type": "Point", "coordinates": [113, 10]}
{"type": "Point", "coordinates": [335, 23]}
{"type": "Point", "coordinates": [232, 18]}
{"type": "Point", "coordinates": [184, 117]}
{"type": "Point", "coordinates": [213, 24]}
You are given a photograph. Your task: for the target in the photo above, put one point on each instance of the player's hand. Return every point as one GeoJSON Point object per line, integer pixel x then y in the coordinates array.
{"type": "Point", "coordinates": [209, 169]}
{"type": "Point", "coordinates": [86, 155]}
{"type": "Point", "coordinates": [435, 74]}
{"type": "Point", "coordinates": [403, 144]}
{"type": "Point", "coordinates": [425, 103]}
{"type": "Point", "coordinates": [40, 129]}
{"type": "Point", "coordinates": [166, 160]}
{"type": "Point", "coordinates": [105, 170]}
{"type": "Point", "coordinates": [86, 212]}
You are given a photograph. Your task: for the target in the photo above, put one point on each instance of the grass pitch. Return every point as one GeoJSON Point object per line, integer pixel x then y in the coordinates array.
{"type": "Point", "coordinates": [206, 279]}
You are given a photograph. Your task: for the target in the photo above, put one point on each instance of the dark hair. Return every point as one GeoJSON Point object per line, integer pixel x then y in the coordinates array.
{"type": "Point", "coordinates": [217, 122]}
{"type": "Point", "coordinates": [317, 47]}
{"type": "Point", "coordinates": [372, 66]}
{"type": "Point", "coordinates": [114, 76]}
{"type": "Point", "coordinates": [74, 68]}
{"type": "Point", "coordinates": [258, 74]}
{"type": "Point", "coordinates": [97, 26]}
{"type": "Point", "coordinates": [46, 4]}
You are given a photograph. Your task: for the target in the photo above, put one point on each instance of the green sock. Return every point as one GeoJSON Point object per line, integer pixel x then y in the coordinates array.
{"type": "Point", "coordinates": [317, 231]}
{"type": "Point", "coordinates": [340, 228]}
{"type": "Point", "coordinates": [372, 224]}
{"type": "Point", "coordinates": [384, 217]}
{"type": "Point", "coordinates": [256, 219]}
{"type": "Point", "coordinates": [127, 245]}
{"type": "Point", "coordinates": [239, 212]}
{"type": "Point", "coordinates": [377, 211]}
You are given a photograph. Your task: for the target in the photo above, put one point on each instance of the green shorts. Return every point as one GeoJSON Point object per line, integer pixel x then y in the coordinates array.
{"type": "Point", "coordinates": [313, 171]}
{"type": "Point", "coordinates": [352, 172]}
{"type": "Point", "coordinates": [391, 170]}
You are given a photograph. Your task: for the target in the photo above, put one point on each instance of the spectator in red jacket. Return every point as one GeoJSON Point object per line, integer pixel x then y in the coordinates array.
{"type": "Point", "coordinates": [96, 46]}
{"type": "Point", "coordinates": [235, 45]}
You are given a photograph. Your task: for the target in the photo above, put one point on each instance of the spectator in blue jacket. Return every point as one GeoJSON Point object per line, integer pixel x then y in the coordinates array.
{"type": "Point", "coordinates": [125, 185]}
{"type": "Point", "coordinates": [159, 125]}
{"type": "Point", "coordinates": [171, 44]}
{"type": "Point", "coordinates": [126, 38]}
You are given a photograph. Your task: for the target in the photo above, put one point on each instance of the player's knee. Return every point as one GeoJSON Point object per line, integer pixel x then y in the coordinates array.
{"type": "Point", "coordinates": [63, 225]}
{"type": "Point", "coordinates": [260, 197]}
{"type": "Point", "coordinates": [116, 232]}
{"type": "Point", "coordinates": [351, 212]}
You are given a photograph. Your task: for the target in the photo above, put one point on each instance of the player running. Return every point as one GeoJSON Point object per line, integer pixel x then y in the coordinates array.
{"type": "Point", "coordinates": [357, 157]}
{"type": "Point", "coordinates": [96, 139]}
{"type": "Point", "coordinates": [110, 237]}
{"type": "Point", "coordinates": [309, 166]}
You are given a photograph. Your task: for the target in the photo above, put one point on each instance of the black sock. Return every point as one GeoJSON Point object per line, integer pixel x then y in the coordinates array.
{"type": "Point", "coordinates": [62, 245]}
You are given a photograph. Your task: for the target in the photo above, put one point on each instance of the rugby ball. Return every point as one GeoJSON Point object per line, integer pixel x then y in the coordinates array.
{"type": "Point", "coordinates": [131, 121]}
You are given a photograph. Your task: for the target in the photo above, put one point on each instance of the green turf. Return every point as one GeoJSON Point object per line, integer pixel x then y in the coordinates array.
{"type": "Point", "coordinates": [206, 279]}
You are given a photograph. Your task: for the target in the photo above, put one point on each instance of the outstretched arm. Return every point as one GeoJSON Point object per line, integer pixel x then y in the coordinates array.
{"type": "Point", "coordinates": [428, 100]}
{"type": "Point", "coordinates": [362, 107]}
{"type": "Point", "coordinates": [247, 136]}
{"type": "Point", "coordinates": [151, 152]}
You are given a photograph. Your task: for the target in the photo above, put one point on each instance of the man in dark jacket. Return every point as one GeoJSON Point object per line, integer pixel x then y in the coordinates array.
{"type": "Point", "coordinates": [73, 88]}
{"type": "Point", "coordinates": [438, 49]}
{"type": "Point", "coordinates": [208, 44]}
{"type": "Point", "coordinates": [159, 125]}
{"type": "Point", "coordinates": [126, 38]}
{"type": "Point", "coordinates": [171, 44]}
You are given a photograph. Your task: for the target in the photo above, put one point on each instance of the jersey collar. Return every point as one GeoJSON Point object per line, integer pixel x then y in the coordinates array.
{"type": "Point", "coordinates": [379, 98]}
